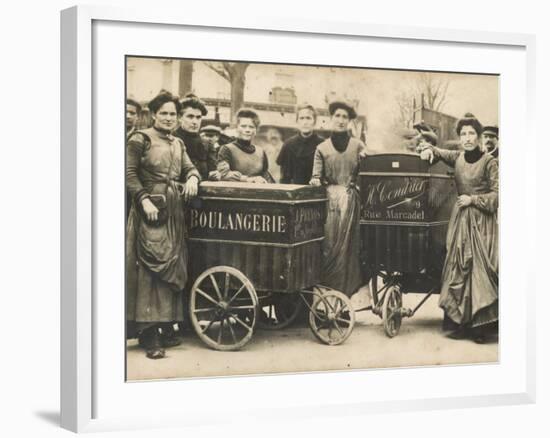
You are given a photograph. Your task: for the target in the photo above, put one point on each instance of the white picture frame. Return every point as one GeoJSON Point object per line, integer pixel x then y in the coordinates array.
{"type": "Point", "coordinates": [83, 381]}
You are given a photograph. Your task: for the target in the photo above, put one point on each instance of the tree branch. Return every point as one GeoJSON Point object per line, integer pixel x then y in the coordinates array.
{"type": "Point", "coordinates": [219, 68]}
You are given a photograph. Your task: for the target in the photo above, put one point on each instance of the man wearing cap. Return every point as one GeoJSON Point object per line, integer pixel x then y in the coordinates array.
{"type": "Point", "coordinates": [133, 110]}
{"type": "Point", "coordinates": [210, 134]}
{"type": "Point", "coordinates": [489, 138]}
{"type": "Point", "coordinates": [202, 156]}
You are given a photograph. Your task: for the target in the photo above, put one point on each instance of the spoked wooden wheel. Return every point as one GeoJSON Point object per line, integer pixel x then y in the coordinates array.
{"type": "Point", "coordinates": [223, 308]}
{"type": "Point", "coordinates": [391, 311]}
{"type": "Point", "coordinates": [278, 310]}
{"type": "Point", "coordinates": [331, 317]}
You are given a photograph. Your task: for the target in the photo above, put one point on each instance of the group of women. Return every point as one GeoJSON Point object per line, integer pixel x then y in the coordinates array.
{"type": "Point", "coordinates": [161, 178]}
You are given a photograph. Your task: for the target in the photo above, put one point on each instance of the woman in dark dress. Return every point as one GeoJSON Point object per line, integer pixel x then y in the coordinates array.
{"type": "Point", "coordinates": [159, 177]}
{"type": "Point", "coordinates": [241, 160]}
{"type": "Point", "coordinates": [336, 165]}
{"type": "Point", "coordinates": [469, 291]}
{"type": "Point", "coordinates": [296, 156]}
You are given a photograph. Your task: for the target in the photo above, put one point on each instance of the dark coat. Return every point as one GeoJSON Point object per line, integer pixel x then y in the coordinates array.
{"type": "Point", "coordinates": [296, 158]}
{"type": "Point", "coordinates": [203, 157]}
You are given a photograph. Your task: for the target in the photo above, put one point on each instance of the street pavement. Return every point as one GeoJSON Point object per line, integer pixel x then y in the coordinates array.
{"type": "Point", "coordinates": [420, 342]}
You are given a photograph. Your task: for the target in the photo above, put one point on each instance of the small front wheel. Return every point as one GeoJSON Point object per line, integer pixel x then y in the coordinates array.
{"type": "Point", "coordinates": [331, 316]}
{"type": "Point", "coordinates": [391, 311]}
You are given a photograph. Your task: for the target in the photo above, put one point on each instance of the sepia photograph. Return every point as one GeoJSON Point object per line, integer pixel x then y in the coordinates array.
{"type": "Point", "coordinates": [285, 218]}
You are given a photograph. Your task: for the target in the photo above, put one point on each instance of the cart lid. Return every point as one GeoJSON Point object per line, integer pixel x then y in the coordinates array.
{"type": "Point", "coordinates": [291, 192]}
{"type": "Point", "coordinates": [403, 163]}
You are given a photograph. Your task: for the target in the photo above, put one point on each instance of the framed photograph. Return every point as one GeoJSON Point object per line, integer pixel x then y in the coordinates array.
{"type": "Point", "coordinates": [332, 218]}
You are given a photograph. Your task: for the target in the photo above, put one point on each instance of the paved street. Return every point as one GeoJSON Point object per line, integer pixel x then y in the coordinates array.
{"type": "Point", "coordinates": [420, 342]}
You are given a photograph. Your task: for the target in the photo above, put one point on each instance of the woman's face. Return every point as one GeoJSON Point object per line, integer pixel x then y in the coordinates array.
{"type": "Point", "coordinates": [305, 121]}
{"type": "Point", "coordinates": [166, 118]}
{"type": "Point", "coordinates": [340, 120]}
{"type": "Point", "coordinates": [469, 138]}
{"type": "Point", "coordinates": [246, 129]}
{"type": "Point", "coordinates": [191, 119]}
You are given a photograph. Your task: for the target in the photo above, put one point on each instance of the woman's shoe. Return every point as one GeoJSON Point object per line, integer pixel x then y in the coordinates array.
{"type": "Point", "coordinates": [478, 336]}
{"type": "Point", "coordinates": [457, 334]}
{"type": "Point", "coordinates": [479, 339]}
{"type": "Point", "coordinates": [150, 340]}
{"type": "Point", "coordinates": [169, 337]}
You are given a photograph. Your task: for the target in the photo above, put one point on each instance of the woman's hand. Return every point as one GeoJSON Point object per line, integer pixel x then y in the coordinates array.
{"type": "Point", "coordinates": [315, 182]}
{"type": "Point", "coordinates": [214, 175]}
{"type": "Point", "coordinates": [464, 201]}
{"type": "Point", "coordinates": [256, 179]}
{"type": "Point", "coordinates": [151, 212]}
{"type": "Point", "coordinates": [427, 155]}
{"type": "Point", "coordinates": [362, 154]}
{"type": "Point", "coordinates": [422, 145]}
{"type": "Point", "coordinates": [191, 188]}
{"type": "Point", "coordinates": [233, 175]}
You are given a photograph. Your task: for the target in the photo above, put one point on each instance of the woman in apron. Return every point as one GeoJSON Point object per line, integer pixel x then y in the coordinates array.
{"type": "Point", "coordinates": [159, 177]}
{"type": "Point", "coordinates": [336, 165]}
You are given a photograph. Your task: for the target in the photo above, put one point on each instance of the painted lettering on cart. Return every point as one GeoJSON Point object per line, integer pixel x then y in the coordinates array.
{"type": "Point", "coordinates": [396, 199]}
{"type": "Point", "coordinates": [417, 215]}
{"type": "Point", "coordinates": [221, 220]}
{"type": "Point", "coordinates": [385, 192]}
{"type": "Point", "coordinates": [308, 222]}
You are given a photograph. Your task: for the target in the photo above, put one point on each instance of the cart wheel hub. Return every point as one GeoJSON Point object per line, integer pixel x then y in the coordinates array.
{"type": "Point", "coordinates": [223, 305]}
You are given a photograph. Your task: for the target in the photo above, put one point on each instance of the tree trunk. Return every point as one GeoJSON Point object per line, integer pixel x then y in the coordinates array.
{"type": "Point", "coordinates": [185, 83]}
{"type": "Point", "coordinates": [237, 95]}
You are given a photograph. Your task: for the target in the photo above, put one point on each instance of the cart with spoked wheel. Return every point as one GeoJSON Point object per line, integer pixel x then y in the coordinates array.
{"type": "Point", "coordinates": [405, 209]}
{"type": "Point", "coordinates": [255, 258]}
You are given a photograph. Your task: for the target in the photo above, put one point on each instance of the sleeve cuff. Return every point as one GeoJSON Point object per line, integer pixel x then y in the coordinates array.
{"type": "Point", "coordinates": [140, 196]}
{"type": "Point", "coordinates": [195, 174]}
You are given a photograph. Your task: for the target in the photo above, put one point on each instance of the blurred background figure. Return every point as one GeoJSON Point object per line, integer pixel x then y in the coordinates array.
{"type": "Point", "coordinates": [210, 135]}
{"type": "Point", "coordinates": [272, 147]}
{"type": "Point", "coordinates": [417, 139]}
{"type": "Point", "coordinates": [426, 136]}
{"type": "Point", "coordinates": [409, 139]}
{"type": "Point", "coordinates": [489, 138]}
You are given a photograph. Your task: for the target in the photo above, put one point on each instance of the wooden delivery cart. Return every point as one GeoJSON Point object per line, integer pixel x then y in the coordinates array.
{"type": "Point", "coordinates": [405, 208]}
{"type": "Point", "coordinates": [255, 254]}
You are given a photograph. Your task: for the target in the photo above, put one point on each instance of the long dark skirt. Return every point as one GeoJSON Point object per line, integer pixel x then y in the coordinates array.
{"type": "Point", "coordinates": [156, 268]}
{"type": "Point", "coordinates": [469, 293]}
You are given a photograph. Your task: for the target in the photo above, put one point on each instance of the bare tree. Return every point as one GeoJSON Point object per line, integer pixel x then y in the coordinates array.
{"type": "Point", "coordinates": [434, 89]}
{"type": "Point", "coordinates": [405, 103]}
{"type": "Point", "coordinates": [427, 90]}
{"type": "Point", "coordinates": [234, 73]}
{"type": "Point", "coordinates": [185, 82]}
